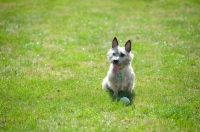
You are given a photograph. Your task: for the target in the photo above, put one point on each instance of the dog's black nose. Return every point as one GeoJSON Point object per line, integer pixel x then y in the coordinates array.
{"type": "Point", "coordinates": [116, 61]}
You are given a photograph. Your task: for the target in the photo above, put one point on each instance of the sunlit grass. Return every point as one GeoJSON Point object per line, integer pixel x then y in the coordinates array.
{"type": "Point", "coordinates": [53, 60]}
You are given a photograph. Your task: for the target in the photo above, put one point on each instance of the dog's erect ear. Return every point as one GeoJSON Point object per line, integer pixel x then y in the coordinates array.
{"type": "Point", "coordinates": [114, 43]}
{"type": "Point", "coordinates": [128, 46]}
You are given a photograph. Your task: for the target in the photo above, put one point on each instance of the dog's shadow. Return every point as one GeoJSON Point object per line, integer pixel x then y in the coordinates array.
{"type": "Point", "coordinates": [121, 94]}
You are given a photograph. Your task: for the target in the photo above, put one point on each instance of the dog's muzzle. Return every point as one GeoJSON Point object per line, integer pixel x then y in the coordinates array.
{"type": "Point", "coordinates": [115, 61]}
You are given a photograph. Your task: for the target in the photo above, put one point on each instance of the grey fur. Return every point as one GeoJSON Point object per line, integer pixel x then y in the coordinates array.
{"type": "Point", "coordinates": [122, 57]}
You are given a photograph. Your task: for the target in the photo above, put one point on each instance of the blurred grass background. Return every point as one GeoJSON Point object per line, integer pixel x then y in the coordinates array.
{"type": "Point", "coordinates": [53, 60]}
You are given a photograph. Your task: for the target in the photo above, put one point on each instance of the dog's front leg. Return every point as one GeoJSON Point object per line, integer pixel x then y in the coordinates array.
{"type": "Point", "coordinates": [116, 91]}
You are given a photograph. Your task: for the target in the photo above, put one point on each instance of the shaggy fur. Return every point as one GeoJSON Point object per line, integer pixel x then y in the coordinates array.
{"type": "Point", "coordinates": [120, 76]}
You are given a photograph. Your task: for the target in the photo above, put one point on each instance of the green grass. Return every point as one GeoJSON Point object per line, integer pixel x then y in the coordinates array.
{"type": "Point", "coordinates": [53, 60]}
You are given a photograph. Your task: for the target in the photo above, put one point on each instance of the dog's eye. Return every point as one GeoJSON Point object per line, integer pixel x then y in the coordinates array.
{"type": "Point", "coordinates": [122, 55]}
{"type": "Point", "coordinates": [114, 54]}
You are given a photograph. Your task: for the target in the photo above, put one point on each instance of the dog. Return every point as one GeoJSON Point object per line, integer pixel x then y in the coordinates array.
{"type": "Point", "coordinates": [120, 76]}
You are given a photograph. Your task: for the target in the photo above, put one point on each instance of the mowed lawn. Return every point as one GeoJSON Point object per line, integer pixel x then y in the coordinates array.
{"type": "Point", "coordinates": [53, 60]}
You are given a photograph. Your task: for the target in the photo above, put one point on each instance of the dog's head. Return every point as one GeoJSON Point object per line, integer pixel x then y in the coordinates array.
{"type": "Point", "coordinates": [120, 56]}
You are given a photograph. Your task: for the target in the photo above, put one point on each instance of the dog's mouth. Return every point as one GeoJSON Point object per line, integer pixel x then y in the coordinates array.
{"type": "Point", "coordinates": [116, 67]}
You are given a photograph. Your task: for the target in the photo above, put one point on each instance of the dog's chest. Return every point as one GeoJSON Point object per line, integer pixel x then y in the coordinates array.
{"type": "Point", "coordinates": [122, 78]}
